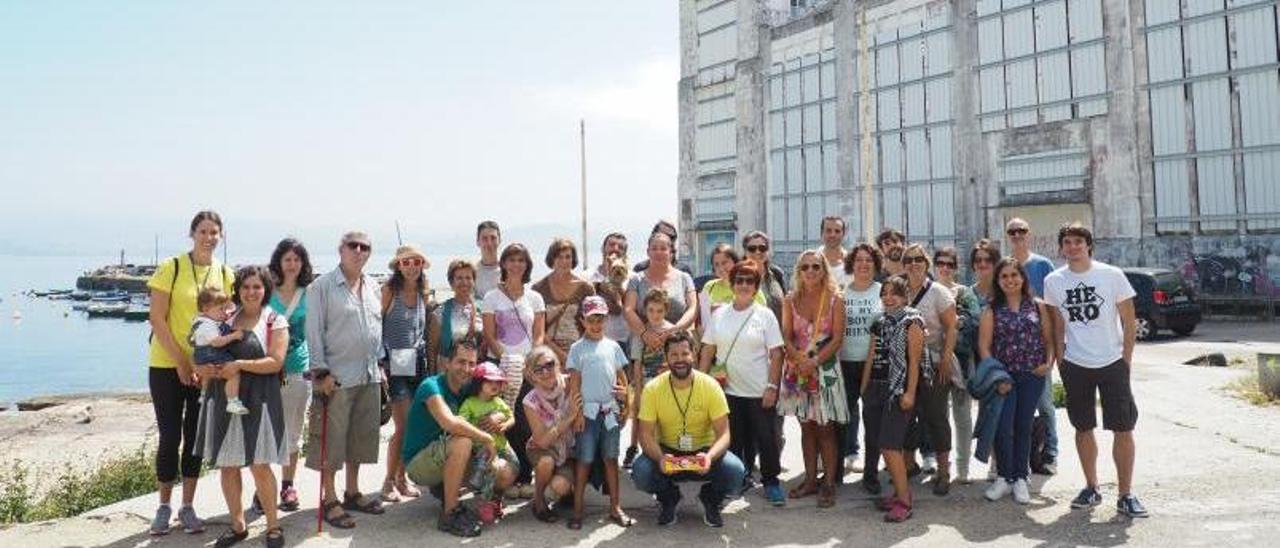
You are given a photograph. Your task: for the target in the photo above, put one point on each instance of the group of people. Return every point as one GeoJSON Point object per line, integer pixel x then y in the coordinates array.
{"type": "Point", "coordinates": [512, 389]}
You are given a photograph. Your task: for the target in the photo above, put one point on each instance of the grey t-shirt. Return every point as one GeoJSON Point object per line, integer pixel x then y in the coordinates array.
{"type": "Point", "coordinates": [676, 285]}
{"type": "Point", "coordinates": [487, 278]}
{"type": "Point", "coordinates": [936, 300]}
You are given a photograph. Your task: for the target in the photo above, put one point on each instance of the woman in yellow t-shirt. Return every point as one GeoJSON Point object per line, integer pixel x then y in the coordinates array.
{"type": "Point", "coordinates": [175, 391]}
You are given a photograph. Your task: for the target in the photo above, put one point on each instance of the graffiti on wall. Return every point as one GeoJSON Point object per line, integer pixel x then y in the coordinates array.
{"type": "Point", "coordinates": [1241, 270]}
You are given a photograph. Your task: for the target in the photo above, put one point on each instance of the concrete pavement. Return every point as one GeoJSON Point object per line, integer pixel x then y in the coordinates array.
{"type": "Point", "coordinates": [1208, 469]}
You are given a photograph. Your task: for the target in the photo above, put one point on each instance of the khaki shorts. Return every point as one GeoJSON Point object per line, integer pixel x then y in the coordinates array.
{"type": "Point", "coordinates": [427, 467]}
{"type": "Point", "coordinates": [564, 470]}
{"type": "Point", "coordinates": [354, 420]}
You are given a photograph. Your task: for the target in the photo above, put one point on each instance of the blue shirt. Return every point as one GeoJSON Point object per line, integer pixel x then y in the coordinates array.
{"type": "Point", "coordinates": [1038, 267]}
{"type": "Point", "coordinates": [421, 428]}
{"type": "Point", "coordinates": [599, 363]}
{"type": "Point", "coordinates": [298, 356]}
{"type": "Point", "coordinates": [344, 333]}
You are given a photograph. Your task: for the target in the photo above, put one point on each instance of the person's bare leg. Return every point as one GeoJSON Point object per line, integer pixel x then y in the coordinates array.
{"type": "Point", "coordinates": [287, 471]}
{"type": "Point", "coordinates": [353, 477]}
{"type": "Point", "coordinates": [395, 466]}
{"type": "Point", "coordinates": [580, 473]}
{"type": "Point", "coordinates": [457, 455]}
{"type": "Point", "coordinates": [504, 476]}
{"type": "Point", "coordinates": [231, 491]}
{"type": "Point", "coordinates": [896, 463]}
{"type": "Point", "coordinates": [188, 490]}
{"type": "Point", "coordinates": [809, 449]}
{"type": "Point", "coordinates": [233, 386]}
{"type": "Point", "coordinates": [830, 448]}
{"type": "Point", "coordinates": [1087, 448]}
{"type": "Point", "coordinates": [1123, 450]}
{"type": "Point", "coordinates": [327, 485]}
{"type": "Point", "coordinates": [265, 482]}
{"type": "Point", "coordinates": [611, 480]}
{"type": "Point", "coordinates": [542, 476]}
{"type": "Point", "coordinates": [166, 491]}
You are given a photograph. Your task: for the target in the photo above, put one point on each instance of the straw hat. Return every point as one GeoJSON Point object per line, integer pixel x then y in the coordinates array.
{"type": "Point", "coordinates": [406, 251]}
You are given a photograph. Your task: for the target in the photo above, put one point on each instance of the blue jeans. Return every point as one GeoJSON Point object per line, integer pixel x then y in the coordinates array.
{"type": "Point", "coordinates": [597, 439]}
{"type": "Point", "coordinates": [1045, 407]}
{"type": "Point", "coordinates": [1013, 438]}
{"type": "Point", "coordinates": [724, 477]}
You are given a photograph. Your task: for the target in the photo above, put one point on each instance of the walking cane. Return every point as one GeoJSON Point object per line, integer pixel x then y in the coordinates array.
{"type": "Point", "coordinates": [318, 375]}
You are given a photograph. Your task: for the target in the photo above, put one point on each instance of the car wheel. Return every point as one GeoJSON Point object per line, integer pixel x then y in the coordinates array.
{"type": "Point", "coordinates": [1145, 328]}
{"type": "Point", "coordinates": [1184, 330]}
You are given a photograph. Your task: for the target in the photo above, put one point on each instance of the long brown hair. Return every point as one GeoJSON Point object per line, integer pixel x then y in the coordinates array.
{"type": "Point", "coordinates": [998, 299]}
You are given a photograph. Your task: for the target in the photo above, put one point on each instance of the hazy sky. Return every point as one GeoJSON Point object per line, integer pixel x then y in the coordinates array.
{"type": "Point", "coordinates": [119, 119]}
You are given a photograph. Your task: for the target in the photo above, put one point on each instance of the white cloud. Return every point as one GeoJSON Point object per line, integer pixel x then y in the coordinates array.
{"type": "Point", "coordinates": [644, 95]}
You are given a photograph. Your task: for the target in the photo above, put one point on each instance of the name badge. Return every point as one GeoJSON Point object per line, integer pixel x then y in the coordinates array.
{"type": "Point", "coordinates": [685, 443]}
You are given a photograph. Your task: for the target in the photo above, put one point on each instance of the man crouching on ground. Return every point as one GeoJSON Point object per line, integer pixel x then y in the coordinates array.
{"type": "Point", "coordinates": [438, 443]}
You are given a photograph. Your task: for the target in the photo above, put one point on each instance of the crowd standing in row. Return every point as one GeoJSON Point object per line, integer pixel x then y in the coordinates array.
{"type": "Point", "coordinates": [507, 389]}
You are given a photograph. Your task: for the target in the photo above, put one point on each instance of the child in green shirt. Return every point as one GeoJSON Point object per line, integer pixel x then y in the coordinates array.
{"type": "Point", "coordinates": [485, 404]}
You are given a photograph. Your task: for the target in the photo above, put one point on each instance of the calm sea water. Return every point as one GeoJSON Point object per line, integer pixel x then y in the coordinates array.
{"type": "Point", "coordinates": [53, 350]}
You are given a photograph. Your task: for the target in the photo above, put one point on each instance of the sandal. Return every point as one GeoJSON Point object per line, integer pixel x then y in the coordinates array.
{"type": "Point", "coordinates": [275, 538]}
{"type": "Point", "coordinates": [389, 493]}
{"type": "Point", "coordinates": [899, 513]}
{"type": "Point", "coordinates": [621, 519]}
{"type": "Point", "coordinates": [407, 489]}
{"type": "Point", "coordinates": [575, 523]}
{"type": "Point", "coordinates": [359, 503]}
{"type": "Point", "coordinates": [231, 537]}
{"type": "Point", "coordinates": [545, 515]}
{"type": "Point", "coordinates": [342, 520]}
{"type": "Point", "coordinates": [803, 490]}
{"type": "Point", "coordinates": [826, 495]}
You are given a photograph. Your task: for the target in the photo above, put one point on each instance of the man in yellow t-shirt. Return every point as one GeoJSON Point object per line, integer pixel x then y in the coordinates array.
{"type": "Point", "coordinates": [684, 433]}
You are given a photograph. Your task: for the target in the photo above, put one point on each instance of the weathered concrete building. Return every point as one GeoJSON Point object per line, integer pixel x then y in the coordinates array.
{"type": "Point", "coordinates": [1155, 121]}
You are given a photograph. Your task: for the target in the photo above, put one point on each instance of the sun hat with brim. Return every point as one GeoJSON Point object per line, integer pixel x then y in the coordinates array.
{"type": "Point", "coordinates": [406, 251]}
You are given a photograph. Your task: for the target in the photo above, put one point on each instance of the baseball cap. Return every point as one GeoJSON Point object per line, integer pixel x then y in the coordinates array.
{"type": "Point", "coordinates": [488, 372]}
{"type": "Point", "coordinates": [594, 305]}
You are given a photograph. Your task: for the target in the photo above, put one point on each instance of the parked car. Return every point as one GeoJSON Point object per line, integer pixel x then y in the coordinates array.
{"type": "Point", "coordinates": [1164, 301]}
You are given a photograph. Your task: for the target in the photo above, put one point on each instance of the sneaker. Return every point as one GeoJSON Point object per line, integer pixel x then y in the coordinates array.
{"type": "Point", "coordinates": [853, 463]}
{"type": "Point", "coordinates": [191, 523]}
{"type": "Point", "coordinates": [288, 499]}
{"type": "Point", "coordinates": [998, 490]}
{"type": "Point", "coordinates": [962, 474]}
{"type": "Point", "coordinates": [234, 407]}
{"type": "Point", "coordinates": [773, 493]}
{"type": "Point", "coordinates": [711, 512]}
{"type": "Point", "coordinates": [1021, 493]}
{"type": "Point", "coordinates": [458, 523]}
{"type": "Point", "coordinates": [1088, 498]}
{"type": "Point", "coordinates": [1047, 468]}
{"type": "Point", "coordinates": [667, 509]}
{"type": "Point", "coordinates": [630, 457]}
{"type": "Point", "coordinates": [993, 473]}
{"type": "Point", "coordinates": [930, 464]}
{"type": "Point", "coordinates": [160, 524]}
{"type": "Point", "coordinates": [1129, 505]}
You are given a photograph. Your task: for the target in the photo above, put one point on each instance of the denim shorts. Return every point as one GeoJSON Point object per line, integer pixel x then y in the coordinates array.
{"type": "Point", "coordinates": [401, 388]}
{"type": "Point", "coordinates": [596, 439]}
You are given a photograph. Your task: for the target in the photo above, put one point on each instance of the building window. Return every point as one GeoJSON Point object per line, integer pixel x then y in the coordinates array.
{"type": "Point", "coordinates": [803, 182]}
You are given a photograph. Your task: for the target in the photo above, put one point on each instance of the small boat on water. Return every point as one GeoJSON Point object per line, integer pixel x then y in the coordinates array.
{"type": "Point", "coordinates": [136, 313]}
{"type": "Point", "coordinates": [107, 310]}
{"type": "Point", "coordinates": [117, 296]}
{"type": "Point", "coordinates": [81, 295]}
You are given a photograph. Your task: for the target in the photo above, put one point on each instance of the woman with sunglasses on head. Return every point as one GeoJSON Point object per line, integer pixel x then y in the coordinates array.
{"type": "Point", "coordinates": [938, 307]}
{"type": "Point", "coordinates": [514, 323]}
{"type": "Point", "coordinates": [550, 415]}
{"type": "Point", "coordinates": [404, 332]}
{"type": "Point", "coordinates": [742, 344]}
{"type": "Point", "coordinates": [945, 265]}
{"type": "Point", "coordinates": [813, 323]}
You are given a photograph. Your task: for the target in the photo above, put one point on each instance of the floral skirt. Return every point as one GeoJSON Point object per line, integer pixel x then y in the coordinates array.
{"type": "Point", "coordinates": [821, 400]}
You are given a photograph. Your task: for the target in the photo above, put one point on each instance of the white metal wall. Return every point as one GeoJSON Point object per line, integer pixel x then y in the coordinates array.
{"type": "Point", "coordinates": [1040, 61]}
{"type": "Point", "coordinates": [803, 183]}
{"type": "Point", "coordinates": [1214, 87]}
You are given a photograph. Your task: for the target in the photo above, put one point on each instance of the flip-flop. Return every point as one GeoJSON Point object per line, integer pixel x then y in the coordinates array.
{"type": "Point", "coordinates": [362, 504]}
{"type": "Point", "coordinates": [803, 490]}
{"type": "Point", "coordinates": [341, 521]}
{"type": "Point", "coordinates": [231, 537]}
{"type": "Point", "coordinates": [622, 519]}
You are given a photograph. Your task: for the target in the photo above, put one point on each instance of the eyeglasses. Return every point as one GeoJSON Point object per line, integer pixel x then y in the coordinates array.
{"type": "Point", "coordinates": [757, 248]}
{"type": "Point", "coordinates": [359, 246]}
{"type": "Point", "coordinates": [545, 366]}
{"type": "Point", "coordinates": [948, 264]}
{"type": "Point", "coordinates": [411, 261]}
{"type": "Point", "coordinates": [918, 259]}
{"type": "Point", "coordinates": [744, 280]}
{"type": "Point", "coordinates": [810, 266]}
{"type": "Point", "coordinates": [1017, 231]}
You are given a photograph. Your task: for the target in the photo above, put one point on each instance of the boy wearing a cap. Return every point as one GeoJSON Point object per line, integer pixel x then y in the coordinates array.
{"type": "Point", "coordinates": [597, 374]}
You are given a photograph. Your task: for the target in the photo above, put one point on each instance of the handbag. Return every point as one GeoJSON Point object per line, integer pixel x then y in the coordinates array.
{"type": "Point", "coordinates": [720, 370]}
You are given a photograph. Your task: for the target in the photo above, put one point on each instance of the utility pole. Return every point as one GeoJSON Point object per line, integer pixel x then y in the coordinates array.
{"type": "Point", "coordinates": [582, 151]}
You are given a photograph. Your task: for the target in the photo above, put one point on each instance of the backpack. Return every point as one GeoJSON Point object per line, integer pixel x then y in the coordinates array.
{"type": "Point", "coordinates": [177, 265]}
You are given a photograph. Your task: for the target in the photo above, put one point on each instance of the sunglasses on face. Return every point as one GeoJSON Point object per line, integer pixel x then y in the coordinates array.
{"type": "Point", "coordinates": [918, 259]}
{"type": "Point", "coordinates": [758, 248]}
{"type": "Point", "coordinates": [544, 367]}
{"type": "Point", "coordinates": [360, 247]}
{"type": "Point", "coordinates": [1016, 231]}
{"type": "Point", "coordinates": [810, 266]}
{"type": "Point", "coordinates": [410, 261]}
